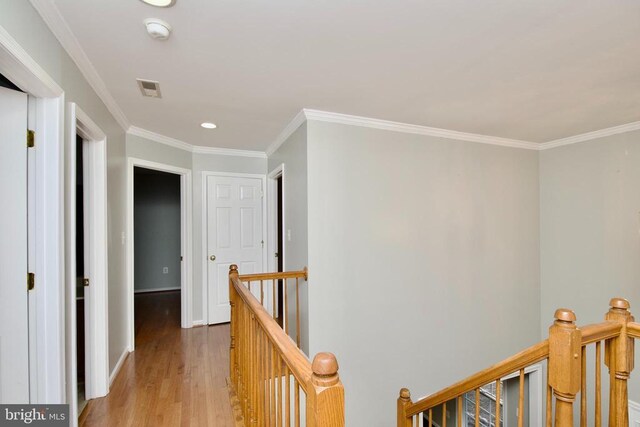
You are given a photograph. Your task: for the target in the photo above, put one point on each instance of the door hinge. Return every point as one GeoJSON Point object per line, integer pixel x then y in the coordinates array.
{"type": "Point", "coordinates": [31, 281]}
{"type": "Point", "coordinates": [31, 138]}
{"type": "Point", "coordinates": [85, 281]}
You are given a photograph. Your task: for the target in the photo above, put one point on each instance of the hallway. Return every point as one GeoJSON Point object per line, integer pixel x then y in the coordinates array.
{"type": "Point", "coordinates": [175, 377]}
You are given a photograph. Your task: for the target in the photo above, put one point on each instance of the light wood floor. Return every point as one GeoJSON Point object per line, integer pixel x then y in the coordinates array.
{"type": "Point", "coordinates": [175, 377]}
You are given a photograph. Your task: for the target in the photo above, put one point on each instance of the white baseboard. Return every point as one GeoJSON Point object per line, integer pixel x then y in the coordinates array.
{"type": "Point", "coordinates": [198, 323]}
{"type": "Point", "coordinates": [116, 369]}
{"type": "Point", "coordinates": [142, 291]}
{"type": "Point", "coordinates": [634, 414]}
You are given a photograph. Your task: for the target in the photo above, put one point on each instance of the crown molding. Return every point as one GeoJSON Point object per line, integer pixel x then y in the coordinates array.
{"type": "Point", "coordinates": [181, 145]}
{"type": "Point", "coordinates": [325, 116]}
{"type": "Point", "coordinates": [293, 125]}
{"type": "Point", "coordinates": [60, 29]}
{"type": "Point", "coordinates": [162, 139]}
{"type": "Point", "coordinates": [229, 152]}
{"type": "Point", "coordinates": [19, 67]}
{"type": "Point", "coordinates": [615, 130]}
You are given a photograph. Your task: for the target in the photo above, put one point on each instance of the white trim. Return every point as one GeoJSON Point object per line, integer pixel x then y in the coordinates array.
{"type": "Point", "coordinates": [49, 250]}
{"type": "Point", "coordinates": [272, 219]}
{"type": "Point", "coordinates": [146, 291]}
{"type": "Point", "coordinates": [116, 369]}
{"type": "Point", "coordinates": [97, 321]}
{"type": "Point", "coordinates": [293, 125]}
{"type": "Point", "coordinates": [199, 323]}
{"type": "Point", "coordinates": [162, 139]}
{"type": "Point", "coordinates": [272, 226]}
{"type": "Point", "coordinates": [19, 67]}
{"type": "Point", "coordinates": [634, 405]}
{"type": "Point", "coordinates": [325, 116]}
{"type": "Point", "coordinates": [58, 26]}
{"type": "Point", "coordinates": [205, 232]}
{"type": "Point", "coordinates": [96, 250]}
{"type": "Point", "coordinates": [46, 328]}
{"type": "Point", "coordinates": [185, 245]}
{"type": "Point", "coordinates": [176, 143]}
{"type": "Point", "coordinates": [615, 130]}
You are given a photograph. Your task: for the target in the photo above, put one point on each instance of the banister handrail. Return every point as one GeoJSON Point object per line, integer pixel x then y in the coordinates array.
{"type": "Point", "coordinates": [600, 331]}
{"type": "Point", "coordinates": [277, 275]}
{"type": "Point", "coordinates": [565, 352]}
{"type": "Point", "coordinates": [268, 371]}
{"type": "Point", "coordinates": [633, 329]}
{"type": "Point", "coordinates": [294, 358]}
{"type": "Point", "coordinates": [519, 361]}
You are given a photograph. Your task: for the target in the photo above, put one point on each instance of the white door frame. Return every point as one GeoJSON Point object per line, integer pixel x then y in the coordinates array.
{"type": "Point", "coordinates": [96, 247]}
{"type": "Point", "coordinates": [535, 392]}
{"type": "Point", "coordinates": [46, 301]}
{"type": "Point", "coordinates": [272, 201]}
{"type": "Point", "coordinates": [205, 231]}
{"type": "Point", "coordinates": [185, 242]}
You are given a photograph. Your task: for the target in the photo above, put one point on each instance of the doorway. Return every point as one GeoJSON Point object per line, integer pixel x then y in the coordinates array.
{"type": "Point", "coordinates": [276, 231]}
{"type": "Point", "coordinates": [45, 321]}
{"type": "Point", "coordinates": [157, 250]}
{"type": "Point", "coordinates": [160, 276]}
{"type": "Point", "coordinates": [86, 261]}
{"type": "Point", "coordinates": [234, 217]}
{"type": "Point", "coordinates": [80, 278]}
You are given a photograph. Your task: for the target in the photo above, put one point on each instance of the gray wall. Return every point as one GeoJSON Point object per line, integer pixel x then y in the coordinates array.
{"type": "Point", "coordinates": [145, 149]}
{"type": "Point", "coordinates": [590, 229]}
{"type": "Point", "coordinates": [157, 230]}
{"type": "Point", "coordinates": [152, 151]}
{"type": "Point", "coordinates": [25, 25]}
{"type": "Point", "coordinates": [293, 154]}
{"type": "Point", "coordinates": [424, 260]}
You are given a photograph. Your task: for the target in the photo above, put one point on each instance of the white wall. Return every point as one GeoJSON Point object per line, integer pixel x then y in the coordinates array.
{"type": "Point", "coordinates": [590, 230]}
{"type": "Point", "coordinates": [423, 255]}
{"type": "Point", "coordinates": [293, 154]}
{"type": "Point", "coordinates": [25, 25]}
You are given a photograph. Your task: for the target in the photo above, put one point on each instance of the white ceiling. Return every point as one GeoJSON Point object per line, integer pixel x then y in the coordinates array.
{"type": "Point", "coordinates": [533, 70]}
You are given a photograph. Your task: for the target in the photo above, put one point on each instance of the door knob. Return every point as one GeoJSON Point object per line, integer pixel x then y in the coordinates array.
{"type": "Point", "coordinates": [212, 257]}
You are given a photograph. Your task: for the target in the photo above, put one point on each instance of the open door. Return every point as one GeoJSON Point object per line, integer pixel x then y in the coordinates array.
{"type": "Point", "coordinates": [14, 314]}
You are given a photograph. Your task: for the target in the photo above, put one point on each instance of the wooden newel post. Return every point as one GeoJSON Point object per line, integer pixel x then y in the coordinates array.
{"type": "Point", "coordinates": [565, 361]}
{"type": "Point", "coordinates": [233, 273]}
{"type": "Point", "coordinates": [404, 400]}
{"type": "Point", "coordinates": [618, 357]}
{"type": "Point", "coordinates": [325, 397]}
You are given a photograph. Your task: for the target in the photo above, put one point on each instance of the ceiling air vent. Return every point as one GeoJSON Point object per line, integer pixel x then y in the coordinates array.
{"type": "Point", "coordinates": [149, 88]}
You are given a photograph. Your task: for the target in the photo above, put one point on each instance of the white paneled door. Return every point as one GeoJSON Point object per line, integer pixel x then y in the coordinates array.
{"type": "Point", "coordinates": [234, 236]}
{"type": "Point", "coordinates": [14, 338]}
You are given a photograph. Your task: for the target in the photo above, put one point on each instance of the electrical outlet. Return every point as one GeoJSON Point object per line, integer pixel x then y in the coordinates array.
{"type": "Point", "coordinates": [165, 270]}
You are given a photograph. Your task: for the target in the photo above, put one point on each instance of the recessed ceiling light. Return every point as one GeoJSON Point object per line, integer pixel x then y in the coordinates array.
{"type": "Point", "coordinates": [208, 125]}
{"type": "Point", "coordinates": [160, 3]}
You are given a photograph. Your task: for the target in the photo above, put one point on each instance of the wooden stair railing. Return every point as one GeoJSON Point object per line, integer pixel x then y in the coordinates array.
{"type": "Point", "coordinates": [273, 280]}
{"type": "Point", "coordinates": [272, 382]}
{"type": "Point", "coordinates": [565, 352]}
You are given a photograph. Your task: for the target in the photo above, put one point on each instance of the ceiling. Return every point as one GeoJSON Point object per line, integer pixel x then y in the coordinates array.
{"type": "Point", "coordinates": [532, 70]}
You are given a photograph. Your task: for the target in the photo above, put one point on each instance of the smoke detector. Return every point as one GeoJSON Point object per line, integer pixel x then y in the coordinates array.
{"type": "Point", "coordinates": [157, 28]}
{"type": "Point", "coordinates": [149, 88]}
{"type": "Point", "coordinates": [160, 3]}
